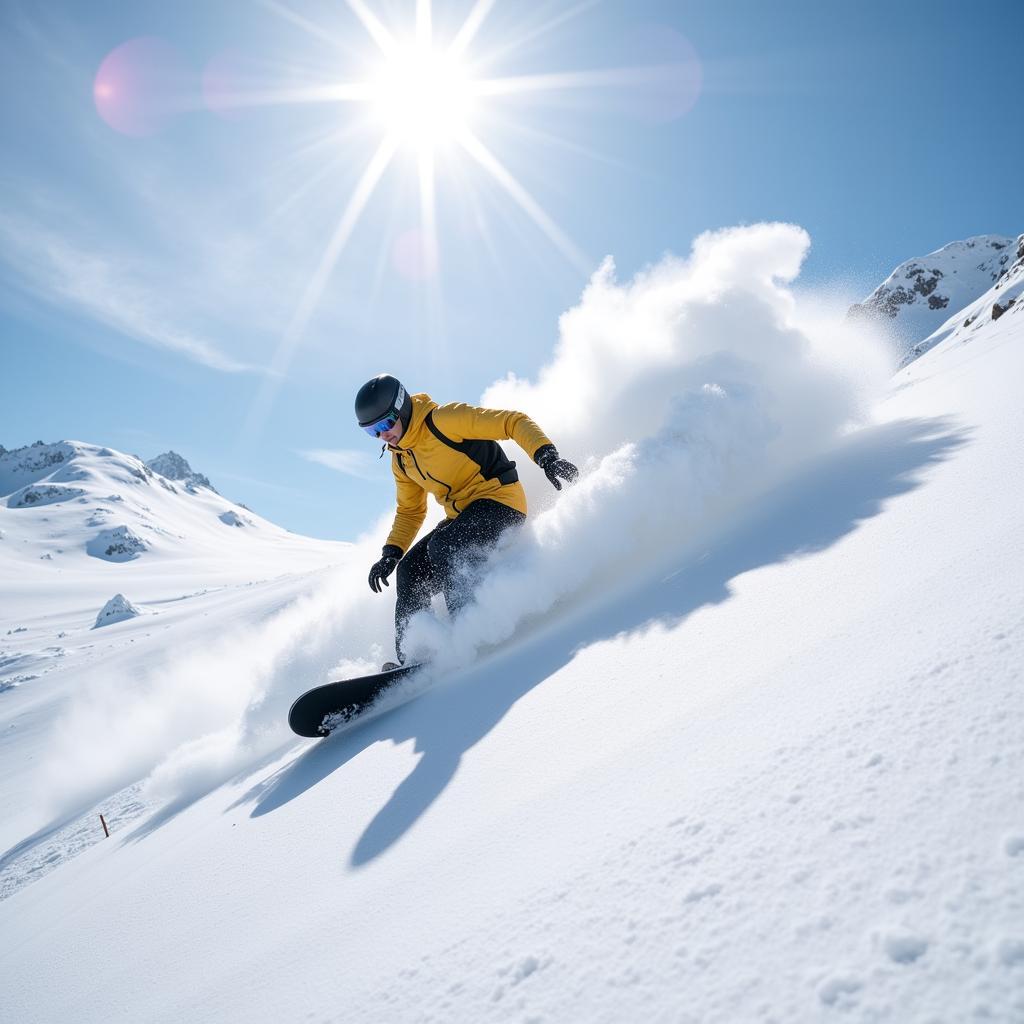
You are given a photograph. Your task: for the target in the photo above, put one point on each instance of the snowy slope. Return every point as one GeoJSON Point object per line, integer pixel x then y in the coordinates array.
{"type": "Point", "coordinates": [774, 774]}
{"type": "Point", "coordinates": [81, 526]}
{"type": "Point", "coordinates": [920, 295]}
{"type": "Point", "coordinates": [1002, 299]}
{"type": "Point", "coordinates": [67, 502]}
{"type": "Point", "coordinates": [91, 521]}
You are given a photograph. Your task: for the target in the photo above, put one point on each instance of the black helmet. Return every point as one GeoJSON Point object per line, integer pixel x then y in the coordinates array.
{"type": "Point", "coordinates": [380, 397]}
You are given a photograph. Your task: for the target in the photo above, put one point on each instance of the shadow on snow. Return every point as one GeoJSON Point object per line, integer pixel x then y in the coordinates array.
{"type": "Point", "coordinates": [808, 513]}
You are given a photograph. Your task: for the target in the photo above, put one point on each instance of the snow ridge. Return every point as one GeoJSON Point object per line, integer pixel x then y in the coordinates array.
{"type": "Point", "coordinates": [1003, 297]}
{"type": "Point", "coordinates": [62, 501]}
{"type": "Point", "coordinates": [172, 466]}
{"type": "Point", "coordinates": [922, 293]}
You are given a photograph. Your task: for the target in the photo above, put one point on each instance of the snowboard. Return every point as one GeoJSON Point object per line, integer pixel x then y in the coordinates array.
{"type": "Point", "coordinates": [341, 701]}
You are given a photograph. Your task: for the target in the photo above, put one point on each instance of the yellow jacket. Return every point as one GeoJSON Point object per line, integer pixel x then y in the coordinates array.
{"type": "Point", "coordinates": [451, 452]}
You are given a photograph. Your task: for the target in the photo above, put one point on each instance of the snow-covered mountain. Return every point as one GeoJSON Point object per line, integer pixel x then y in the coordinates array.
{"type": "Point", "coordinates": [173, 467]}
{"type": "Point", "coordinates": [68, 502]}
{"type": "Point", "coordinates": [771, 773]}
{"type": "Point", "coordinates": [924, 296]}
{"type": "Point", "coordinates": [91, 537]}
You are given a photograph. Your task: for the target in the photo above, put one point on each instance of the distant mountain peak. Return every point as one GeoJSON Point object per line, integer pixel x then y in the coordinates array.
{"type": "Point", "coordinates": [920, 295]}
{"type": "Point", "coordinates": [173, 466]}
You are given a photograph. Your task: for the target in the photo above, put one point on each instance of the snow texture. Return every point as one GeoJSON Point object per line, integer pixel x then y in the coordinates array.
{"type": "Point", "coordinates": [749, 747]}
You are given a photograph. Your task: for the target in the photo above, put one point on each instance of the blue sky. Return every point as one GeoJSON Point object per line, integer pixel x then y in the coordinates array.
{"type": "Point", "coordinates": [167, 278]}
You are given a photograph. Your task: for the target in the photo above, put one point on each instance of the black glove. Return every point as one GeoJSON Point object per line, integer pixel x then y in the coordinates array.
{"type": "Point", "coordinates": [383, 568]}
{"type": "Point", "coordinates": [555, 469]}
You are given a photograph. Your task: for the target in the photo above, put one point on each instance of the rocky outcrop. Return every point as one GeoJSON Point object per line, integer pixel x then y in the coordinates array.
{"type": "Point", "coordinates": [117, 609]}
{"type": "Point", "coordinates": [117, 545]}
{"type": "Point", "coordinates": [232, 518]}
{"type": "Point", "coordinates": [920, 295]}
{"type": "Point", "coordinates": [998, 310]}
{"type": "Point", "coordinates": [43, 494]}
{"type": "Point", "coordinates": [171, 466]}
{"type": "Point", "coordinates": [37, 458]}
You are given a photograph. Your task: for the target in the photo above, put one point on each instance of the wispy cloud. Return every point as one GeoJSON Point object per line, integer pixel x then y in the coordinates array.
{"type": "Point", "coordinates": [345, 460]}
{"type": "Point", "coordinates": [102, 286]}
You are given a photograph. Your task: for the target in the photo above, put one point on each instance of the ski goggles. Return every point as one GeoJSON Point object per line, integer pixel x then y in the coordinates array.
{"type": "Point", "coordinates": [382, 425]}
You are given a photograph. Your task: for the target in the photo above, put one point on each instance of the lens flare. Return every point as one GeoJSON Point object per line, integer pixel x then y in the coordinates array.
{"type": "Point", "coordinates": [139, 86]}
{"type": "Point", "coordinates": [228, 78]}
{"type": "Point", "coordinates": [668, 78]}
{"type": "Point", "coordinates": [414, 255]}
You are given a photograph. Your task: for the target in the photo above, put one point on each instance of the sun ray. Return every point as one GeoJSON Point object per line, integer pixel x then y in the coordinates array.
{"type": "Point", "coordinates": [428, 208]}
{"type": "Point", "coordinates": [318, 148]}
{"type": "Point", "coordinates": [285, 12]}
{"type": "Point", "coordinates": [470, 27]}
{"type": "Point", "coordinates": [311, 296]}
{"type": "Point", "coordinates": [384, 256]}
{"type": "Point", "coordinates": [356, 204]}
{"type": "Point", "coordinates": [558, 80]}
{"type": "Point", "coordinates": [430, 249]}
{"type": "Point", "coordinates": [373, 25]}
{"type": "Point", "coordinates": [424, 97]}
{"type": "Point", "coordinates": [335, 92]}
{"type": "Point", "coordinates": [424, 24]}
{"type": "Point", "coordinates": [490, 163]}
{"type": "Point", "coordinates": [469, 187]}
{"type": "Point", "coordinates": [556, 141]}
{"type": "Point", "coordinates": [550, 25]}
{"type": "Point", "coordinates": [327, 166]}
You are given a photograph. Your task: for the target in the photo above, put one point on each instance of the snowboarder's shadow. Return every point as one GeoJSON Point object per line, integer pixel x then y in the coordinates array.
{"type": "Point", "coordinates": [824, 503]}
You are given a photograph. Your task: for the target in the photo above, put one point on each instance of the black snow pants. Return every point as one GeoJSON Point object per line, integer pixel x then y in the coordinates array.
{"type": "Point", "coordinates": [448, 561]}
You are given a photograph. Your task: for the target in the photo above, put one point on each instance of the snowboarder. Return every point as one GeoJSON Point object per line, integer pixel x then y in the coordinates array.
{"type": "Point", "coordinates": [452, 452]}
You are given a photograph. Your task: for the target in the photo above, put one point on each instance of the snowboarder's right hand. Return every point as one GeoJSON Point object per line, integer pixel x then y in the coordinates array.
{"type": "Point", "coordinates": [383, 568]}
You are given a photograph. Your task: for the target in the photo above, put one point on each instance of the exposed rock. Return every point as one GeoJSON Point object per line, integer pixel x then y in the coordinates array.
{"type": "Point", "coordinates": [117, 609]}
{"type": "Point", "coordinates": [117, 545]}
{"type": "Point", "coordinates": [173, 467]}
{"type": "Point", "coordinates": [31, 460]}
{"type": "Point", "coordinates": [998, 311]}
{"type": "Point", "coordinates": [232, 518]}
{"type": "Point", "coordinates": [919, 296]}
{"type": "Point", "coordinates": [45, 494]}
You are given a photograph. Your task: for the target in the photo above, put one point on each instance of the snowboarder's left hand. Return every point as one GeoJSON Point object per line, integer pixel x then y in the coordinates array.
{"type": "Point", "coordinates": [384, 567]}
{"type": "Point", "coordinates": [556, 469]}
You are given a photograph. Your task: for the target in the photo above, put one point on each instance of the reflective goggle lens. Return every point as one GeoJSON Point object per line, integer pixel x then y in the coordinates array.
{"type": "Point", "coordinates": [378, 428]}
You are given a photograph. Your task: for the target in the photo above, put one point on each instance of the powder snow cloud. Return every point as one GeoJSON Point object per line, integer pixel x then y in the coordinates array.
{"type": "Point", "coordinates": [683, 394]}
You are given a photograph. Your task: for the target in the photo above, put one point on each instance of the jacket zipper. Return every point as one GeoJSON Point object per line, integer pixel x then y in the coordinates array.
{"type": "Point", "coordinates": [434, 478]}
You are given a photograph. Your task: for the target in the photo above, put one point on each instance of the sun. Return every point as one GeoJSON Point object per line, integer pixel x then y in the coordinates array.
{"type": "Point", "coordinates": [422, 97]}
{"type": "Point", "coordinates": [433, 95]}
